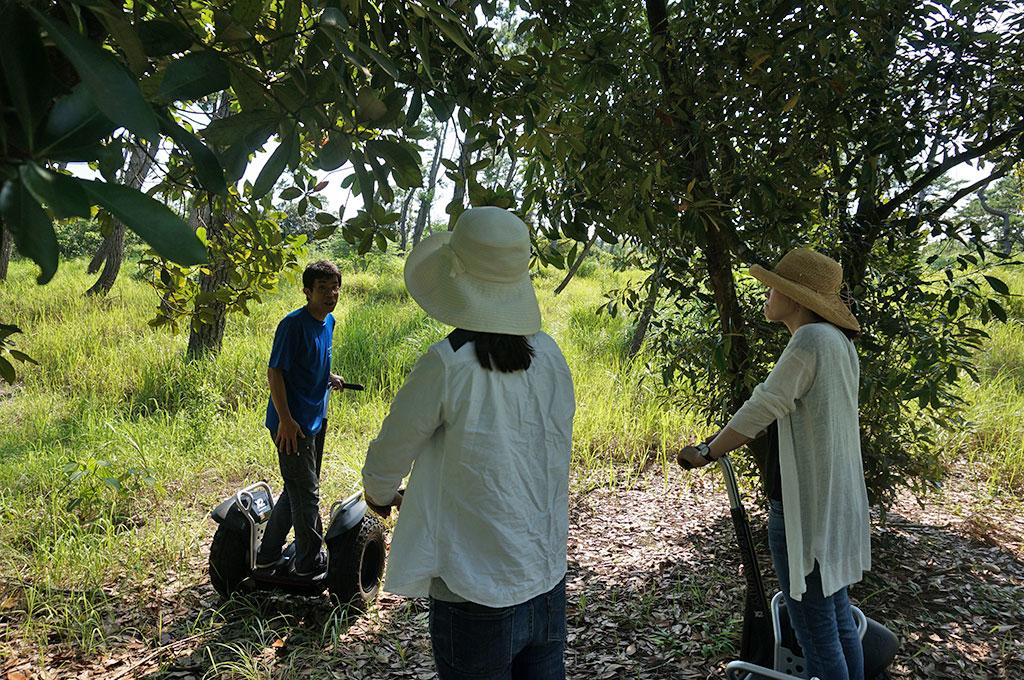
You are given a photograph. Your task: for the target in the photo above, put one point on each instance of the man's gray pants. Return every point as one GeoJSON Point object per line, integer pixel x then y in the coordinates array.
{"type": "Point", "coordinates": [298, 505]}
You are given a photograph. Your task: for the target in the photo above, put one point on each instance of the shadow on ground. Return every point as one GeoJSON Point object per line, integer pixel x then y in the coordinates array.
{"type": "Point", "coordinates": [655, 591]}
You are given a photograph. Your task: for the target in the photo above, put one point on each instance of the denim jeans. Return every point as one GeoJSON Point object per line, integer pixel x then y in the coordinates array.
{"type": "Point", "coordinates": [509, 643]}
{"type": "Point", "coordinates": [298, 505]}
{"type": "Point", "coordinates": [824, 626]}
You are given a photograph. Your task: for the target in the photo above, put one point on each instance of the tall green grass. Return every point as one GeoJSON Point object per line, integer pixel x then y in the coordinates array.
{"type": "Point", "coordinates": [992, 442]}
{"type": "Point", "coordinates": [115, 396]}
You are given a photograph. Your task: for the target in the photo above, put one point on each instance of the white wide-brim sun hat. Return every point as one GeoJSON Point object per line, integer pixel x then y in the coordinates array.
{"type": "Point", "coordinates": [477, 276]}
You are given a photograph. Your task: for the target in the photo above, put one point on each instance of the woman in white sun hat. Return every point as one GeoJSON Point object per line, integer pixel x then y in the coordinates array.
{"type": "Point", "coordinates": [484, 421]}
{"type": "Point", "coordinates": [818, 529]}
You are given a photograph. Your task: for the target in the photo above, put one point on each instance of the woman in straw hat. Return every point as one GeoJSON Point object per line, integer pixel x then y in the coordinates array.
{"type": "Point", "coordinates": [818, 521]}
{"type": "Point", "coordinates": [484, 421]}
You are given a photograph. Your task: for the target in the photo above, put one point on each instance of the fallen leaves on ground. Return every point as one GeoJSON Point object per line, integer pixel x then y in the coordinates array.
{"type": "Point", "coordinates": [655, 590]}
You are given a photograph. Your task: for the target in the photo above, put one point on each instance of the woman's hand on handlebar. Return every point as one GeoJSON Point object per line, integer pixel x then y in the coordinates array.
{"type": "Point", "coordinates": [385, 510]}
{"type": "Point", "coordinates": [689, 458]}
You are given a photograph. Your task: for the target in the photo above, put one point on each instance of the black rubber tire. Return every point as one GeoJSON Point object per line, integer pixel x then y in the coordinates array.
{"type": "Point", "coordinates": [357, 564]}
{"type": "Point", "coordinates": [229, 560]}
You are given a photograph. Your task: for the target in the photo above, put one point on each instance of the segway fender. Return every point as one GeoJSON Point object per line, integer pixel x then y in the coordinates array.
{"type": "Point", "coordinates": [345, 516]}
{"type": "Point", "coordinates": [228, 514]}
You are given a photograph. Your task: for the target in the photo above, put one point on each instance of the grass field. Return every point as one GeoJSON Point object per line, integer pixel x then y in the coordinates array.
{"type": "Point", "coordinates": [113, 399]}
{"type": "Point", "coordinates": [114, 448]}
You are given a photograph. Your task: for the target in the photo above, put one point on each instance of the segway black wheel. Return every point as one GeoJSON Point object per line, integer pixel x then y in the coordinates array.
{"type": "Point", "coordinates": [357, 564]}
{"type": "Point", "coordinates": [229, 560]}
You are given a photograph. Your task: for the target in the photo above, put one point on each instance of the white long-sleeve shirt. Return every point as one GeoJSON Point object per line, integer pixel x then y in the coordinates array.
{"type": "Point", "coordinates": [486, 508]}
{"type": "Point", "coordinates": [812, 393]}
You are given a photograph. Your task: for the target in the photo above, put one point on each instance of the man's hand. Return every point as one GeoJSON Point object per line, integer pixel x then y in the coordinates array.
{"type": "Point", "coordinates": [336, 382]}
{"type": "Point", "coordinates": [384, 510]}
{"type": "Point", "coordinates": [287, 437]}
{"type": "Point", "coordinates": [689, 458]}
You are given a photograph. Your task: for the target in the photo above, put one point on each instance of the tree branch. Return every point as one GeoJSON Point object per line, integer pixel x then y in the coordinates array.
{"type": "Point", "coordinates": [970, 189]}
{"type": "Point", "coordinates": [942, 168]}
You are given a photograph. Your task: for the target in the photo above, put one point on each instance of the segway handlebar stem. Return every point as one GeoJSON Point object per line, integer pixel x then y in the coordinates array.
{"type": "Point", "coordinates": [731, 487]}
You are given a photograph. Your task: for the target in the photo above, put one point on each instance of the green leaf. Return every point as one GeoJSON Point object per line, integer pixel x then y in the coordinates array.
{"type": "Point", "coordinates": [333, 18]}
{"type": "Point", "coordinates": [382, 60]}
{"type": "Point", "coordinates": [247, 12]}
{"type": "Point", "coordinates": [240, 126]}
{"type": "Point", "coordinates": [275, 165]}
{"type": "Point", "coordinates": [74, 128]}
{"type": "Point", "coordinates": [246, 83]}
{"type": "Point", "coordinates": [31, 227]}
{"type": "Point", "coordinates": [324, 232]}
{"type": "Point", "coordinates": [121, 30]}
{"type": "Point", "coordinates": [25, 69]}
{"type": "Point", "coordinates": [997, 310]}
{"type": "Point", "coordinates": [7, 371]}
{"type": "Point", "coordinates": [111, 160]}
{"type": "Point", "coordinates": [415, 108]}
{"type": "Point", "coordinates": [290, 15]}
{"type": "Point", "coordinates": [208, 168]}
{"type": "Point", "coordinates": [335, 152]}
{"type": "Point", "coordinates": [110, 86]}
{"type": "Point", "coordinates": [161, 38]}
{"type": "Point", "coordinates": [403, 161]}
{"type": "Point", "coordinates": [442, 108]}
{"type": "Point", "coordinates": [454, 33]}
{"type": "Point", "coordinates": [325, 218]}
{"type": "Point", "coordinates": [21, 356]}
{"type": "Point", "coordinates": [291, 193]}
{"type": "Point", "coordinates": [62, 194]}
{"type": "Point", "coordinates": [194, 76]}
{"type": "Point", "coordinates": [998, 285]}
{"type": "Point", "coordinates": [167, 233]}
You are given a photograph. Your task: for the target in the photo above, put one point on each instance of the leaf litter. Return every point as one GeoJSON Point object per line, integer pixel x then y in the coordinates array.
{"type": "Point", "coordinates": [655, 590]}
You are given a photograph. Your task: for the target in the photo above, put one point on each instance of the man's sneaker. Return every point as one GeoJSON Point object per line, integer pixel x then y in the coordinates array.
{"type": "Point", "coordinates": [319, 567]}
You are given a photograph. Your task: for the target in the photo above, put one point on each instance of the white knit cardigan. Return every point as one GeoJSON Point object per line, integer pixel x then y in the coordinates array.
{"type": "Point", "coordinates": [812, 393]}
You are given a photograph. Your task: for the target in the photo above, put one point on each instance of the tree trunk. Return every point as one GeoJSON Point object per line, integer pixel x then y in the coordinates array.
{"type": "Point", "coordinates": [643, 322]}
{"type": "Point", "coordinates": [403, 222]}
{"type": "Point", "coordinates": [730, 319]}
{"type": "Point", "coordinates": [1006, 235]}
{"type": "Point", "coordinates": [111, 251]}
{"type": "Point", "coordinates": [716, 247]}
{"type": "Point", "coordinates": [576, 265]}
{"type": "Point", "coordinates": [423, 215]}
{"type": "Point", "coordinates": [96, 263]}
{"type": "Point", "coordinates": [459, 195]}
{"type": "Point", "coordinates": [209, 317]}
{"type": "Point", "coordinates": [6, 248]}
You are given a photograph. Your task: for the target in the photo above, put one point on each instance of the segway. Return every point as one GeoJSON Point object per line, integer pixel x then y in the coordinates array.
{"type": "Point", "coordinates": [768, 646]}
{"type": "Point", "coordinates": [354, 539]}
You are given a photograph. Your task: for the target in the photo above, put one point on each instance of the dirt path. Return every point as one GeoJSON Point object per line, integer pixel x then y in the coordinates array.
{"type": "Point", "coordinates": [655, 591]}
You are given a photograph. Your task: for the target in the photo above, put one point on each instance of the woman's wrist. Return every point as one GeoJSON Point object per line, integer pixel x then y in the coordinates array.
{"type": "Point", "coordinates": [704, 449]}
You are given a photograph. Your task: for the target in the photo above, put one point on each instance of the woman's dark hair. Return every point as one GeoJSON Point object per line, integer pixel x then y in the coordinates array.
{"type": "Point", "coordinates": [496, 351]}
{"type": "Point", "coordinates": [848, 332]}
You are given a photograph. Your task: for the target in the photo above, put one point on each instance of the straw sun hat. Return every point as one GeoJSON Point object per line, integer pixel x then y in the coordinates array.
{"type": "Point", "coordinates": [477, 276]}
{"type": "Point", "coordinates": [813, 280]}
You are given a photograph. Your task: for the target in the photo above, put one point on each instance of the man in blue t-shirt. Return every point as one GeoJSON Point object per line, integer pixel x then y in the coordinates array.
{"type": "Point", "coordinates": [300, 378]}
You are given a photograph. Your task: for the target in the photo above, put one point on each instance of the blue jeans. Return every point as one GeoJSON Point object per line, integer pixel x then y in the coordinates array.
{"type": "Point", "coordinates": [298, 505]}
{"type": "Point", "coordinates": [824, 626]}
{"type": "Point", "coordinates": [523, 641]}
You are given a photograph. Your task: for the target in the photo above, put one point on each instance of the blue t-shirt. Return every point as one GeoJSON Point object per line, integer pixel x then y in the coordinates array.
{"type": "Point", "coordinates": [302, 351]}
